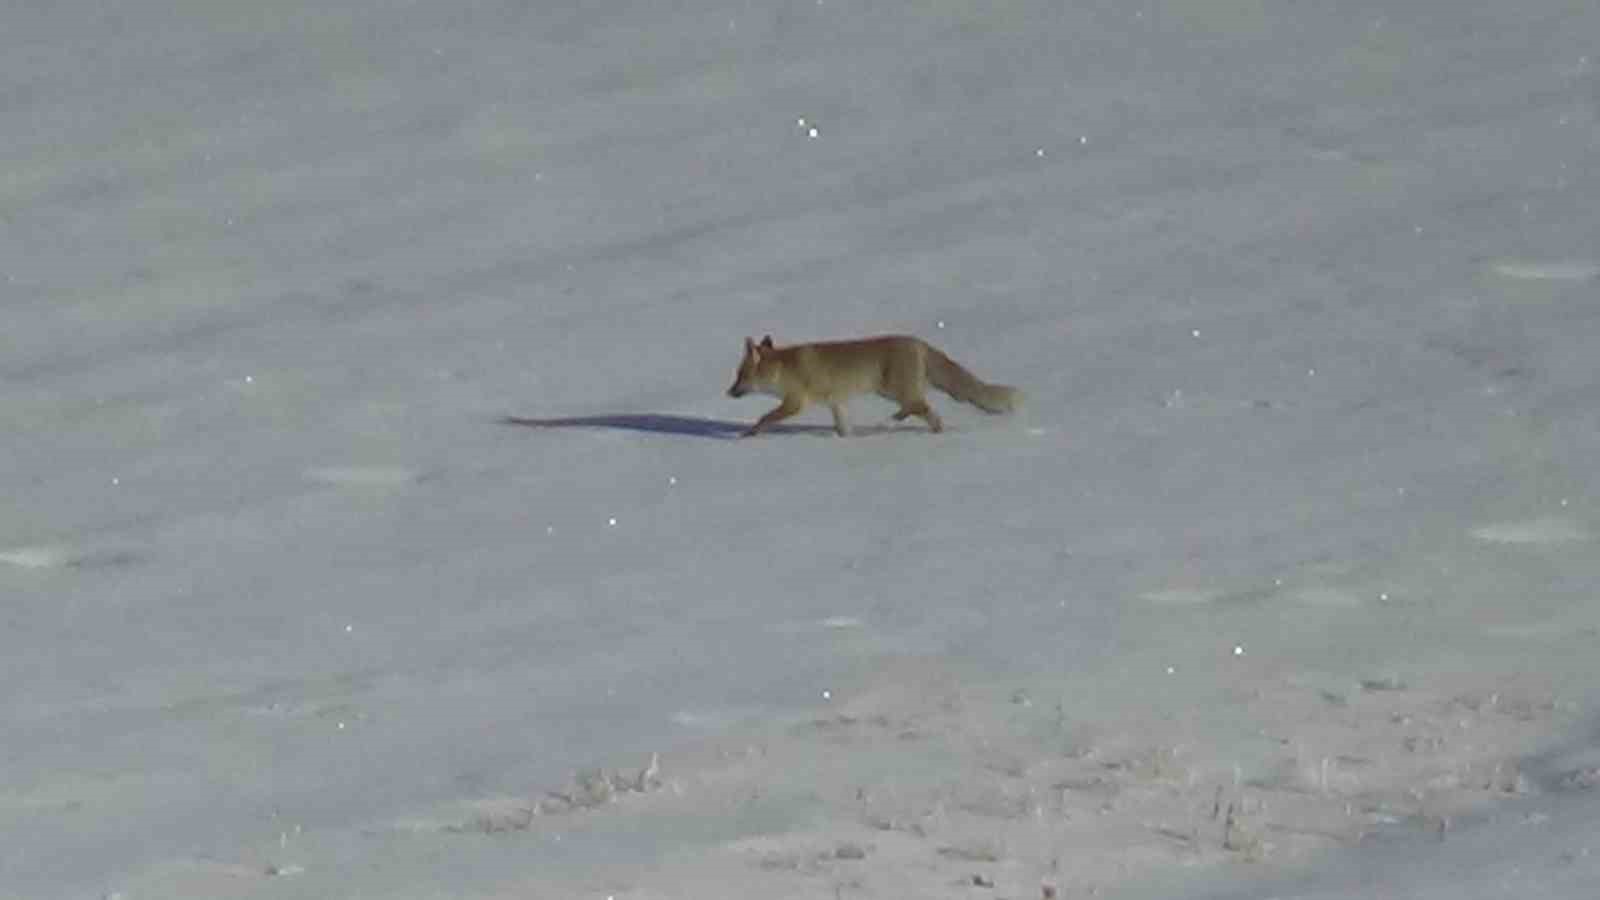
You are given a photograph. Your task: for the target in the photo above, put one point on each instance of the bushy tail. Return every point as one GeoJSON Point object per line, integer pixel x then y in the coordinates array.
{"type": "Point", "coordinates": [948, 375]}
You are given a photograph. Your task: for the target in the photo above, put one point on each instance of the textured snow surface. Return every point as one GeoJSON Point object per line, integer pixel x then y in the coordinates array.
{"type": "Point", "coordinates": [374, 525]}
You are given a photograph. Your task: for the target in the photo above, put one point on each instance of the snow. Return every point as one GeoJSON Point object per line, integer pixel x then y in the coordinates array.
{"type": "Point", "coordinates": [375, 525]}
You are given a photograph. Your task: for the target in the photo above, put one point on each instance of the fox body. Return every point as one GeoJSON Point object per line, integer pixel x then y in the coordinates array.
{"type": "Point", "coordinates": [896, 367]}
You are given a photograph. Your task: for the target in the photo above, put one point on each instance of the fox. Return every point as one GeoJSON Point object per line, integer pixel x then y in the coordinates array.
{"type": "Point", "coordinates": [897, 367]}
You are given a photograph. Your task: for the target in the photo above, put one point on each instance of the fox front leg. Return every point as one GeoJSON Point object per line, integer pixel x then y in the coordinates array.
{"type": "Point", "coordinates": [783, 411]}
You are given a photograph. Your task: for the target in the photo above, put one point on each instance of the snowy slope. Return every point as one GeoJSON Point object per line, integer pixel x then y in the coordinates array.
{"type": "Point", "coordinates": [367, 455]}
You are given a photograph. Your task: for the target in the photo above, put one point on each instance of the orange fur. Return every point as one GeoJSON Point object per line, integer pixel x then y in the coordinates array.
{"type": "Point", "coordinates": [899, 368]}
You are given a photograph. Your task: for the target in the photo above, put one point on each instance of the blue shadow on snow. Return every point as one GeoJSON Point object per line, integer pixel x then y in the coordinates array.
{"type": "Point", "coordinates": [683, 426]}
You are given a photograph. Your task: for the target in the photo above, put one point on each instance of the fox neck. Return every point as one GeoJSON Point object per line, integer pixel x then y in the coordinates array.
{"type": "Point", "coordinates": [768, 387]}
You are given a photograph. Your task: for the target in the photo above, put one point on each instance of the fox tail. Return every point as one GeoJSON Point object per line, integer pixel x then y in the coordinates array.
{"type": "Point", "coordinates": [951, 377]}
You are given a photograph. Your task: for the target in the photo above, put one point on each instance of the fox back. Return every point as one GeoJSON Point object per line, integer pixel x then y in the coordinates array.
{"type": "Point", "coordinates": [826, 371]}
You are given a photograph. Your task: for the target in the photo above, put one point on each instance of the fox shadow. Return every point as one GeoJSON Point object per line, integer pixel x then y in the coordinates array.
{"type": "Point", "coordinates": [685, 426]}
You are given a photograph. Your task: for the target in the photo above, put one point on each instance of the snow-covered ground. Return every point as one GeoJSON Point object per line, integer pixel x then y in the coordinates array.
{"type": "Point", "coordinates": [373, 526]}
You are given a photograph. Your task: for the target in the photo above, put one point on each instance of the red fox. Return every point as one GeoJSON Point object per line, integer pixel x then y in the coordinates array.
{"type": "Point", "coordinates": [895, 367]}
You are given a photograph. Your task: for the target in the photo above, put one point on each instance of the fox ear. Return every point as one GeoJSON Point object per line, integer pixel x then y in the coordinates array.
{"type": "Point", "coordinates": [766, 342]}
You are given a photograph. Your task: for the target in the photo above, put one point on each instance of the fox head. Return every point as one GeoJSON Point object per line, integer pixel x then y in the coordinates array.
{"type": "Point", "coordinates": [752, 375]}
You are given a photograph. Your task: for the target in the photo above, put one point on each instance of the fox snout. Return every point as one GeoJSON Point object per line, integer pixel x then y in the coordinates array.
{"type": "Point", "coordinates": [743, 383]}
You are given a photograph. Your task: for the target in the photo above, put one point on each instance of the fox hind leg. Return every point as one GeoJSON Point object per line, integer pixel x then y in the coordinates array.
{"type": "Point", "coordinates": [922, 409]}
{"type": "Point", "coordinates": [840, 426]}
